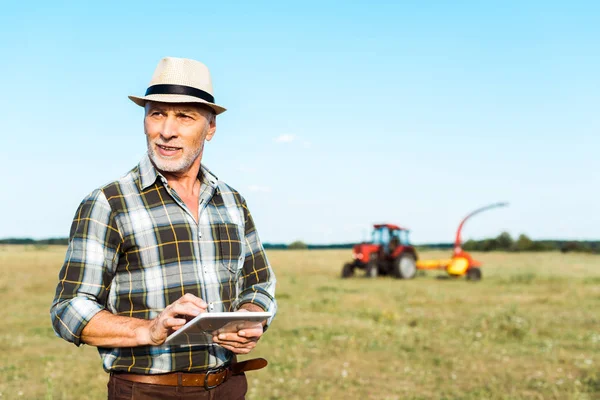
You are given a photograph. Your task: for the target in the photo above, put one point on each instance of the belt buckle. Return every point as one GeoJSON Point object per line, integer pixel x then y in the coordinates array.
{"type": "Point", "coordinates": [208, 373]}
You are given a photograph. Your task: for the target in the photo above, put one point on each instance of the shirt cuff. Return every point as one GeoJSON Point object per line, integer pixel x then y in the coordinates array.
{"type": "Point", "coordinates": [263, 300]}
{"type": "Point", "coordinates": [71, 317]}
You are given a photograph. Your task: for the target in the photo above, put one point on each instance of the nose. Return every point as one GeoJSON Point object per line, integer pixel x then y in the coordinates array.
{"type": "Point", "coordinates": [169, 129]}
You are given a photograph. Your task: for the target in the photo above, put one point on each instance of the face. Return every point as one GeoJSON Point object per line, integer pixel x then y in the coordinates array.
{"type": "Point", "coordinates": [176, 133]}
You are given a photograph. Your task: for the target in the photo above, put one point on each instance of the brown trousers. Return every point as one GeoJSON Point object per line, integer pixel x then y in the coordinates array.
{"type": "Point", "coordinates": [233, 389]}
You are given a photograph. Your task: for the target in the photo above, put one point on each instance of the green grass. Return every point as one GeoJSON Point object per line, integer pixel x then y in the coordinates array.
{"type": "Point", "coordinates": [528, 330]}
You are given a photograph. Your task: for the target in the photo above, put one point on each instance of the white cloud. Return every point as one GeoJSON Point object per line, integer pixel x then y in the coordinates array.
{"type": "Point", "coordinates": [285, 138]}
{"type": "Point", "coordinates": [289, 138]}
{"type": "Point", "coordinates": [259, 189]}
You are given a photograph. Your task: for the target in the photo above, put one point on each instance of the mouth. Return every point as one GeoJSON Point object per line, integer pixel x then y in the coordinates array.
{"type": "Point", "coordinates": [167, 151]}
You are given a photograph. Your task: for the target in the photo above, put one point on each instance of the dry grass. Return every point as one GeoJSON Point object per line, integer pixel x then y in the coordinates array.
{"type": "Point", "coordinates": [529, 330]}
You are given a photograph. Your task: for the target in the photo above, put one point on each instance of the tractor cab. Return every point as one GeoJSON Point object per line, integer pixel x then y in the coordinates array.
{"type": "Point", "coordinates": [389, 237]}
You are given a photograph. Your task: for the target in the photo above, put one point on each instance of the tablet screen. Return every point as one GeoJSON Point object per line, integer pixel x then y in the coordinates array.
{"type": "Point", "coordinates": [199, 330]}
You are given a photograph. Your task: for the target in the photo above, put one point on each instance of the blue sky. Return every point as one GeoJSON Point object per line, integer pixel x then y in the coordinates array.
{"type": "Point", "coordinates": [340, 114]}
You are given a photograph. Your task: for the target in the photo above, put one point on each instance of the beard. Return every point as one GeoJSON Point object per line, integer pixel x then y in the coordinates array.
{"type": "Point", "coordinates": [180, 164]}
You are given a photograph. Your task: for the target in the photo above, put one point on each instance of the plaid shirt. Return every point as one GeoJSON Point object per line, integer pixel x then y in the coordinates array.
{"type": "Point", "coordinates": [135, 248]}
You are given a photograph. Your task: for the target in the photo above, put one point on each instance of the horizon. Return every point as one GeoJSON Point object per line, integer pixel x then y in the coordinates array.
{"type": "Point", "coordinates": [278, 243]}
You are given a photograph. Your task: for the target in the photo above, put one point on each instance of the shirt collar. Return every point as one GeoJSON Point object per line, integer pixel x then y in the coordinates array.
{"type": "Point", "coordinates": [149, 174]}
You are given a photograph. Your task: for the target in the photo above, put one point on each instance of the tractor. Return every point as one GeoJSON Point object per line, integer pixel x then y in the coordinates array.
{"type": "Point", "coordinates": [388, 253]}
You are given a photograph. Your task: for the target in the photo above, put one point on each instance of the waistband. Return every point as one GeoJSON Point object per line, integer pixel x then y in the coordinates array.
{"type": "Point", "coordinates": [209, 379]}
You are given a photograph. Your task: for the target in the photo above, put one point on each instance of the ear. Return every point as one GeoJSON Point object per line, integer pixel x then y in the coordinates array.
{"type": "Point", "coordinates": [212, 128]}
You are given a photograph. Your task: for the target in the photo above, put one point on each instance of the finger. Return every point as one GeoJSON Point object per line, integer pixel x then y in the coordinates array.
{"type": "Point", "coordinates": [232, 338]}
{"type": "Point", "coordinates": [232, 327]}
{"type": "Point", "coordinates": [237, 350]}
{"type": "Point", "coordinates": [238, 346]}
{"type": "Point", "coordinates": [183, 309]}
{"type": "Point", "coordinates": [188, 297]}
{"type": "Point", "coordinates": [251, 333]}
{"type": "Point", "coordinates": [235, 344]}
{"type": "Point", "coordinates": [174, 323]}
{"type": "Point", "coordinates": [189, 305]}
{"type": "Point", "coordinates": [160, 328]}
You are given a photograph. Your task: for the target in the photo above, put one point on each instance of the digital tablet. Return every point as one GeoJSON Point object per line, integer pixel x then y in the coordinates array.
{"type": "Point", "coordinates": [199, 330]}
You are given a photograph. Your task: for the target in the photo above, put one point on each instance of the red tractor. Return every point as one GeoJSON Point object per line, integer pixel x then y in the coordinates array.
{"type": "Point", "coordinates": [389, 253]}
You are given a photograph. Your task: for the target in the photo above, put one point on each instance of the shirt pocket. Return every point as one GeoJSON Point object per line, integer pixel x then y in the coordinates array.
{"type": "Point", "coordinates": [229, 247]}
{"type": "Point", "coordinates": [230, 262]}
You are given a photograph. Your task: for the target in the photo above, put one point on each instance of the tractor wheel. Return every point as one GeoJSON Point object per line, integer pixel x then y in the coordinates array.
{"type": "Point", "coordinates": [405, 266]}
{"type": "Point", "coordinates": [474, 274]}
{"type": "Point", "coordinates": [372, 269]}
{"type": "Point", "coordinates": [347, 270]}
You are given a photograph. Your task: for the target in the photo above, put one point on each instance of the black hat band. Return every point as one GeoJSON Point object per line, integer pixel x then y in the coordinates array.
{"type": "Point", "coordinates": [180, 89]}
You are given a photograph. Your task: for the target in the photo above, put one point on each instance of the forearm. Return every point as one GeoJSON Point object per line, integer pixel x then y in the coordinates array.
{"type": "Point", "coordinates": [108, 330]}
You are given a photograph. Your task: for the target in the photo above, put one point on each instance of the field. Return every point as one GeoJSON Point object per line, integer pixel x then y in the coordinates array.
{"type": "Point", "coordinates": [529, 330]}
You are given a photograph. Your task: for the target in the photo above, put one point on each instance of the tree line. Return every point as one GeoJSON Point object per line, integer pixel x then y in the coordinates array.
{"type": "Point", "coordinates": [40, 242]}
{"type": "Point", "coordinates": [504, 242]}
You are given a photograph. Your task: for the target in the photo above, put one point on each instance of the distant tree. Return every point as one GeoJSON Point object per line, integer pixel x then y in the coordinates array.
{"type": "Point", "coordinates": [505, 241]}
{"type": "Point", "coordinates": [471, 245]}
{"type": "Point", "coordinates": [524, 243]}
{"type": "Point", "coordinates": [489, 245]}
{"type": "Point", "coordinates": [62, 241]}
{"type": "Point", "coordinates": [17, 241]}
{"type": "Point", "coordinates": [297, 245]}
{"type": "Point", "coordinates": [580, 247]}
{"type": "Point", "coordinates": [568, 246]}
{"type": "Point", "coordinates": [278, 246]}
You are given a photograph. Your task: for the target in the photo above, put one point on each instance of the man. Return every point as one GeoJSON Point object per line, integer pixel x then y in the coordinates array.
{"type": "Point", "coordinates": [161, 245]}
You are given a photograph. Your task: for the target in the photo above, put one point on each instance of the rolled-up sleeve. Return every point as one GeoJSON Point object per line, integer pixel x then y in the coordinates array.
{"type": "Point", "coordinates": [88, 269]}
{"type": "Point", "coordinates": [258, 286]}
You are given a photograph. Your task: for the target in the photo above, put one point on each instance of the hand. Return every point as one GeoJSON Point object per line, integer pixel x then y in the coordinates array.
{"type": "Point", "coordinates": [173, 317]}
{"type": "Point", "coordinates": [239, 337]}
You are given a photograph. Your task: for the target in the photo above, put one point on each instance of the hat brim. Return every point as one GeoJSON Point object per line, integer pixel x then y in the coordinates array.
{"type": "Point", "coordinates": [175, 98]}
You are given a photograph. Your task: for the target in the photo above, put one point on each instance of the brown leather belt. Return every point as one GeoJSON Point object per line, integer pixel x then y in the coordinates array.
{"type": "Point", "coordinates": [209, 379]}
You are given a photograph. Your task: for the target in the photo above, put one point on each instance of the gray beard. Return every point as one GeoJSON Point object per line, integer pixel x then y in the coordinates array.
{"type": "Point", "coordinates": [180, 165]}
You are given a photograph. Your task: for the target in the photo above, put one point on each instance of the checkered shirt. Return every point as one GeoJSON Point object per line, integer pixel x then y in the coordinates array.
{"type": "Point", "coordinates": [135, 248]}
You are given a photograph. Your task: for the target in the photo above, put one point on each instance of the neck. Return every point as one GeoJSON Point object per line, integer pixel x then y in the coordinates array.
{"type": "Point", "coordinates": [184, 181]}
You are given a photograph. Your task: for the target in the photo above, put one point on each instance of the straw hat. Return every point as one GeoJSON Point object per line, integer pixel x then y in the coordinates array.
{"type": "Point", "coordinates": [180, 80]}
